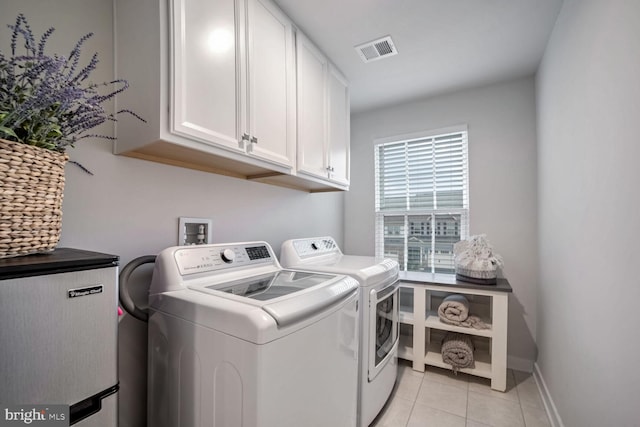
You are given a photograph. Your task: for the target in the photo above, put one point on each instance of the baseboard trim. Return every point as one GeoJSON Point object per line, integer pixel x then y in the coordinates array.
{"type": "Point", "coordinates": [549, 406]}
{"type": "Point", "coordinates": [519, 364]}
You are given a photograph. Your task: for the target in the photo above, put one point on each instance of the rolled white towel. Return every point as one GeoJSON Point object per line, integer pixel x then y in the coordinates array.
{"type": "Point", "coordinates": [454, 310]}
{"type": "Point", "coordinates": [457, 351]}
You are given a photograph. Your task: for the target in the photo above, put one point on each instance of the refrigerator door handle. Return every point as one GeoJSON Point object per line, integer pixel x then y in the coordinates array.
{"type": "Point", "coordinates": [89, 406]}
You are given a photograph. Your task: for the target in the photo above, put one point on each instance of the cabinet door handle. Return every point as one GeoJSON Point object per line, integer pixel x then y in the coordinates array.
{"type": "Point", "coordinates": [254, 140]}
{"type": "Point", "coordinates": [245, 137]}
{"type": "Point", "coordinates": [330, 168]}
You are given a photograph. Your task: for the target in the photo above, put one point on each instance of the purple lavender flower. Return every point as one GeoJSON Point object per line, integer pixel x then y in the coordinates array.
{"type": "Point", "coordinates": [45, 100]}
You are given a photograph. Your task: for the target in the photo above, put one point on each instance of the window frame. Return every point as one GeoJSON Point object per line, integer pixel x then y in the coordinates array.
{"type": "Point", "coordinates": [434, 214]}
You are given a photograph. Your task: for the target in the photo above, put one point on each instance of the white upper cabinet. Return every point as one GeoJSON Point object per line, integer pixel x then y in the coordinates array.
{"type": "Point", "coordinates": [339, 129]}
{"type": "Point", "coordinates": [222, 90]}
{"type": "Point", "coordinates": [312, 108]}
{"type": "Point", "coordinates": [205, 85]}
{"type": "Point", "coordinates": [323, 117]}
{"type": "Point", "coordinates": [215, 81]}
{"type": "Point", "coordinates": [271, 77]}
{"type": "Point", "coordinates": [233, 65]}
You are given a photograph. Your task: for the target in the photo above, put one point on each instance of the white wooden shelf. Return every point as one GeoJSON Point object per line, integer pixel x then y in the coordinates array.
{"type": "Point", "coordinates": [406, 316]}
{"type": "Point", "coordinates": [405, 347]}
{"type": "Point", "coordinates": [482, 361]}
{"type": "Point", "coordinates": [433, 321]}
{"type": "Point", "coordinates": [422, 346]}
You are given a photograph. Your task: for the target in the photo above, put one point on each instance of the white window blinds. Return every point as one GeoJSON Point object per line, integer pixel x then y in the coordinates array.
{"type": "Point", "coordinates": [422, 201]}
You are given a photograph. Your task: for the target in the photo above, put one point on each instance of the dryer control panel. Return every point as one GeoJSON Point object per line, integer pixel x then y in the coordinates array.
{"type": "Point", "coordinates": [306, 248]}
{"type": "Point", "coordinates": [206, 258]}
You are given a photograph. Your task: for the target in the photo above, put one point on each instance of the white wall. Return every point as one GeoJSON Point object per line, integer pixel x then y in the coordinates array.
{"type": "Point", "coordinates": [502, 169]}
{"type": "Point", "coordinates": [588, 112]}
{"type": "Point", "coordinates": [131, 207]}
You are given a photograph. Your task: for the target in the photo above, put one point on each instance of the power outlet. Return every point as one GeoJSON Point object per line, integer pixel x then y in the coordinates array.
{"type": "Point", "coordinates": [194, 231]}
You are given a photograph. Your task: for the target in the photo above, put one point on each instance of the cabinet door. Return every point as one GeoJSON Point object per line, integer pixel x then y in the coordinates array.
{"type": "Point", "coordinates": [312, 109]}
{"type": "Point", "coordinates": [205, 83]}
{"type": "Point", "coordinates": [271, 83]}
{"type": "Point", "coordinates": [339, 131]}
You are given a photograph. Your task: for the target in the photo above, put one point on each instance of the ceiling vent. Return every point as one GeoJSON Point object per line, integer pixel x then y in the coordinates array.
{"type": "Point", "coordinates": [376, 49]}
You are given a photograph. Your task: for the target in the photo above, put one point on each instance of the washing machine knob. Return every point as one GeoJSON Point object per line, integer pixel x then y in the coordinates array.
{"type": "Point", "coordinates": [314, 246]}
{"type": "Point", "coordinates": [228, 255]}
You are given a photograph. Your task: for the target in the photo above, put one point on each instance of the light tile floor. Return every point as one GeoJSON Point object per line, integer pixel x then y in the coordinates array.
{"type": "Point", "coordinates": [438, 398]}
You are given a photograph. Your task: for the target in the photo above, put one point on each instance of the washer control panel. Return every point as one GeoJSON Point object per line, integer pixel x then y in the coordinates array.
{"type": "Point", "coordinates": [206, 258]}
{"type": "Point", "coordinates": [306, 248]}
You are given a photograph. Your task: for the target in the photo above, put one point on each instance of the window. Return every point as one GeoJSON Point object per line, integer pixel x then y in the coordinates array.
{"type": "Point", "coordinates": [422, 198]}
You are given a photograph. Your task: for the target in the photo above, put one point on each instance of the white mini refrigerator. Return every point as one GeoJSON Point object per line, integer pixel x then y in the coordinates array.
{"type": "Point", "coordinates": [58, 335]}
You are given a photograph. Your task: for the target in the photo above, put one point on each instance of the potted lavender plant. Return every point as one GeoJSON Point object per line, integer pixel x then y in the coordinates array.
{"type": "Point", "coordinates": [47, 104]}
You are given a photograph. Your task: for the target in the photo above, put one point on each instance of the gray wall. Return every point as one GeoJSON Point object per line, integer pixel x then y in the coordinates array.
{"type": "Point", "coordinates": [502, 168]}
{"type": "Point", "coordinates": [586, 289]}
{"type": "Point", "coordinates": [131, 207]}
{"type": "Point", "coordinates": [588, 113]}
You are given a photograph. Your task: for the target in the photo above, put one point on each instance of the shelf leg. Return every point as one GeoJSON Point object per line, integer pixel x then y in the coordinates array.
{"type": "Point", "coordinates": [419, 317]}
{"type": "Point", "coordinates": [499, 317]}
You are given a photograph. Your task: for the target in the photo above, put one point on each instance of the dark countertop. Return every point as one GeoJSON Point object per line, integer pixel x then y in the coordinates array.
{"type": "Point", "coordinates": [418, 277]}
{"type": "Point", "coordinates": [59, 260]}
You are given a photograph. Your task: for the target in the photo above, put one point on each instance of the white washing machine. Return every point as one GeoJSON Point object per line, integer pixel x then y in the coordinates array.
{"type": "Point", "coordinates": [379, 310]}
{"type": "Point", "coordinates": [235, 340]}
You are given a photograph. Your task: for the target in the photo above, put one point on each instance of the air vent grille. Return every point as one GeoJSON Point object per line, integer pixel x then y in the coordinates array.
{"type": "Point", "coordinates": [376, 49]}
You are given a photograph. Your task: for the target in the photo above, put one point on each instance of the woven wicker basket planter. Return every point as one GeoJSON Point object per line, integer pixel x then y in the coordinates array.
{"type": "Point", "coordinates": [31, 190]}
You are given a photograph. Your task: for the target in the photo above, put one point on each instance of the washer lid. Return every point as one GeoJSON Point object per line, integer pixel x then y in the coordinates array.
{"type": "Point", "coordinates": [256, 321]}
{"type": "Point", "coordinates": [272, 285]}
{"type": "Point", "coordinates": [287, 296]}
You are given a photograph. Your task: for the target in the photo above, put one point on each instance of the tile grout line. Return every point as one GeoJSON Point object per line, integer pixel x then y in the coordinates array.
{"type": "Point", "coordinates": [515, 384]}
{"type": "Point", "coordinates": [415, 399]}
{"type": "Point", "coordinates": [466, 413]}
{"type": "Point", "coordinates": [423, 385]}
{"type": "Point", "coordinates": [448, 384]}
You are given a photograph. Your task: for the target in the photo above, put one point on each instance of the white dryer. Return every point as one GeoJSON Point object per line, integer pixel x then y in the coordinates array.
{"type": "Point", "coordinates": [235, 340]}
{"type": "Point", "coordinates": [379, 310]}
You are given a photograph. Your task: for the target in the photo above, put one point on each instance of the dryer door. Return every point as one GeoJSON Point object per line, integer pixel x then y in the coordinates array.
{"type": "Point", "coordinates": [383, 333]}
